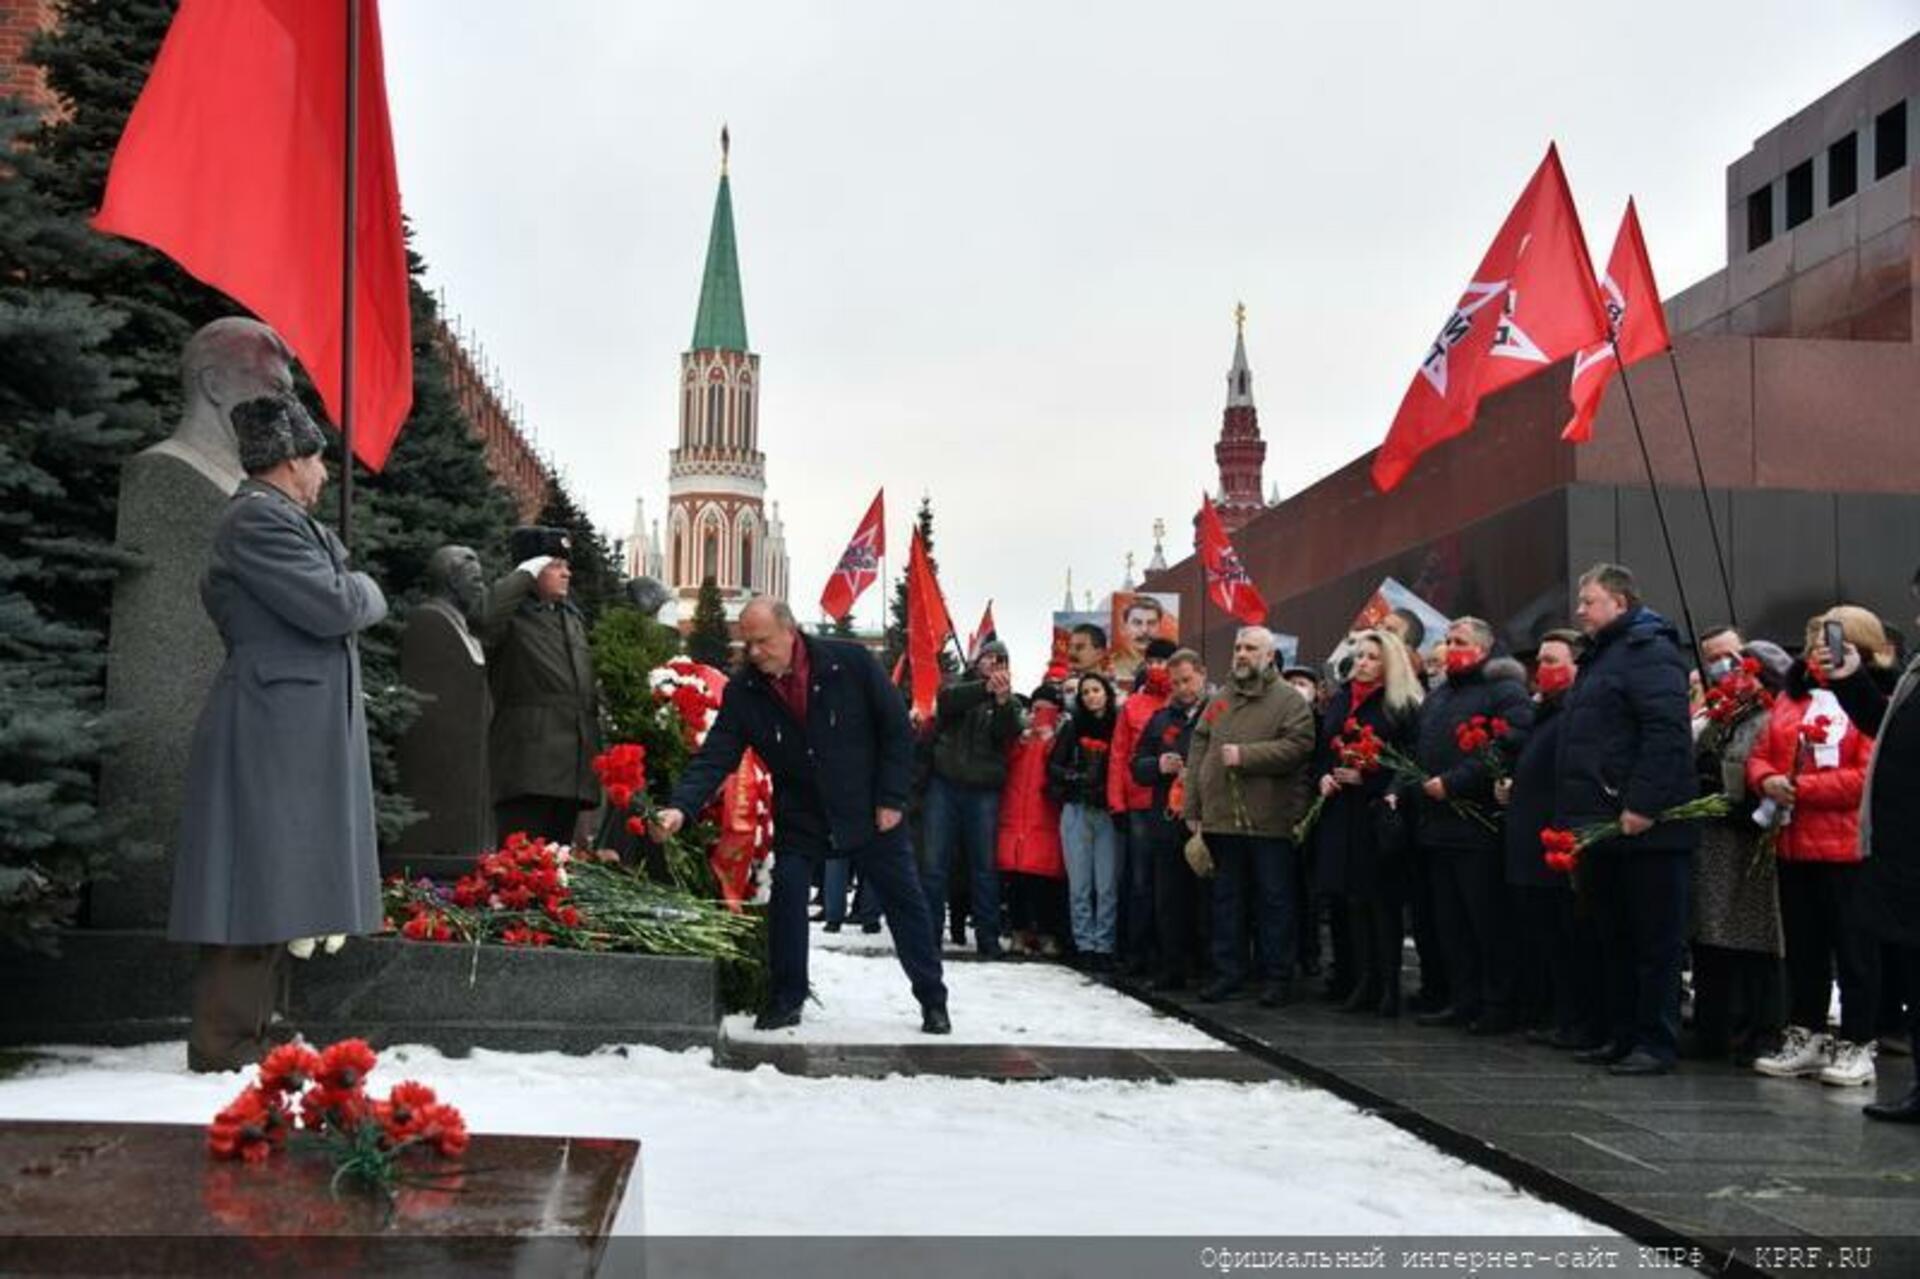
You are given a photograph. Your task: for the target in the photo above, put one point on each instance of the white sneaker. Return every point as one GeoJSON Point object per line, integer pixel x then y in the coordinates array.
{"type": "Point", "coordinates": [1852, 1065]}
{"type": "Point", "coordinates": [1801, 1052]}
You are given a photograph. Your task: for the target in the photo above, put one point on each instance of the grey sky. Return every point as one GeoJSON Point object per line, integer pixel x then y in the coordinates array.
{"type": "Point", "coordinates": [991, 251]}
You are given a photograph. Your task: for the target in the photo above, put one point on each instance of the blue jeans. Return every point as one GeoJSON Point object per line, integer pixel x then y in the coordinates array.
{"type": "Point", "coordinates": [1088, 838]}
{"type": "Point", "coordinates": [834, 876]}
{"type": "Point", "coordinates": [963, 822]}
{"type": "Point", "coordinates": [887, 864]}
{"type": "Point", "coordinates": [1263, 863]}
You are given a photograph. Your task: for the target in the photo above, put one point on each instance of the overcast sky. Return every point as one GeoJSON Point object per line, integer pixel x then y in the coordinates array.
{"type": "Point", "coordinates": [991, 251]}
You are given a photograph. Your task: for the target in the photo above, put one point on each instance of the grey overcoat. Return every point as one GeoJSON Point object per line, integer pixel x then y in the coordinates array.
{"type": "Point", "coordinates": [276, 833]}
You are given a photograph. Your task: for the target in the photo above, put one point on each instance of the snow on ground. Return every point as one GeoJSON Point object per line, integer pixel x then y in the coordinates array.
{"type": "Point", "coordinates": [863, 998]}
{"type": "Point", "coordinates": [728, 1152]}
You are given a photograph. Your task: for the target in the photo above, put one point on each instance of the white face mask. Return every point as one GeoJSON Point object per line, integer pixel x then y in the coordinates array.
{"type": "Point", "coordinates": [1719, 668]}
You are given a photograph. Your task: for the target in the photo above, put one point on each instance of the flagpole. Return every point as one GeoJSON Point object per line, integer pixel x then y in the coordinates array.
{"type": "Point", "coordinates": [1713, 525]}
{"type": "Point", "coordinates": [350, 207]}
{"type": "Point", "coordinates": [1660, 510]}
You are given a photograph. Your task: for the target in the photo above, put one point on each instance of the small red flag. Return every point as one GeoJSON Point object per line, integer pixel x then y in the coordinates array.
{"type": "Point", "coordinates": [1532, 302]}
{"type": "Point", "coordinates": [928, 626]}
{"type": "Point", "coordinates": [859, 565]}
{"type": "Point", "coordinates": [233, 164]}
{"type": "Point", "coordinates": [984, 634]}
{"type": "Point", "coordinates": [1228, 583]}
{"type": "Point", "coordinates": [1635, 318]}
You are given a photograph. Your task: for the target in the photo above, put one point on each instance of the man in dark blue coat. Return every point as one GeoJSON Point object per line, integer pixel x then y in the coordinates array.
{"type": "Point", "coordinates": [822, 717]}
{"type": "Point", "coordinates": [1626, 755]}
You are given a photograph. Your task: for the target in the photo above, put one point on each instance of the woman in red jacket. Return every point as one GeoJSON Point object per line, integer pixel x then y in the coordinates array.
{"type": "Point", "coordinates": [1809, 766]}
{"type": "Point", "coordinates": [1028, 847]}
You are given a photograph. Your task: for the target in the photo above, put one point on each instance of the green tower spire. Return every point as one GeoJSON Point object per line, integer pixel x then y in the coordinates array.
{"type": "Point", "coordinates": [721, 324]}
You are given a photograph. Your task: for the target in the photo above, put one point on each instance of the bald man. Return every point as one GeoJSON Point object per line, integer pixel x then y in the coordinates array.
{"type": "Point", "coordinates": [833, 732]}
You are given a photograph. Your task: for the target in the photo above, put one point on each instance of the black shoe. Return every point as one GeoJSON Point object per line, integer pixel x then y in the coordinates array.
{"type": "Point", "coordinates": [934, 1021]}
{"type": "Point", "coordinates": [870, 928]}
{"type": "Point", "coordinates": [991, 954]}
{"type": "Point", "coordinates": [771, 1020]}
{"type": "Point", "coordinates": [1904, 1111]}
{"type": "Point", "coordinates": [1604, 1055]}
{"type": "Point", "coordinates": [1217, 991]}
{"type": "Point", "coordinates": [958, 932]}
{"type": "Point", "coordinates": [1278, 994]}
{"type": "Point", "coordinates": [1640, 1062]}
{"type": "Point", "coordinates": [1573, 1041]}
{"type": "Point", "coordinates": [833, 928]}
{"type": "Point", "coordinates": [1443, 1017]}
{"type": "Point", "coordinates": [1488, 1024]}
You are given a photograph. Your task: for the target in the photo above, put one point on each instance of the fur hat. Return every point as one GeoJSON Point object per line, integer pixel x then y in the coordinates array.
{"type": "Point", "coordinates": [272, 429]}
{"type": "Point", "coordinates": [532, 540]}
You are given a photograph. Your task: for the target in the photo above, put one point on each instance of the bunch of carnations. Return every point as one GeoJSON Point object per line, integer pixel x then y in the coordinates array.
{"type": "Point", "coordinates": [622, 770]}
{"type": "Point", "coordinates": [681, 692]}
{"type": "Point", "coordinates": [320, 1100]}
{"type": "Point", "coordinates": [1733, 698]}
{"type": "Point", "coordinates": [1358, 747]}
{"type": "Point", "coordinates": [1563, 849]}
{"type": "Point", "coordinates": [529, 878]}
{"type": "Point", "coordinates": [1480, 738]}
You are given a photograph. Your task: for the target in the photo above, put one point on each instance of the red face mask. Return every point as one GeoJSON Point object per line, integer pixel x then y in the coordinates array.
{"type": "Point", "coordinates": [1157, 681]}
{"type": "Point", "coordinates": [1461, 660]}
{"type": "Point", "coordinates": [1553, 679]}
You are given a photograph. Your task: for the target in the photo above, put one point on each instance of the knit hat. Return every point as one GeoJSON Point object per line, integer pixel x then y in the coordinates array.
{"type": "Point", "coordinates": [992, 648]}
{"type": "Point", "coordinates": [272, 429]}
{"type": "Point", "coordinates": [1160, 650]}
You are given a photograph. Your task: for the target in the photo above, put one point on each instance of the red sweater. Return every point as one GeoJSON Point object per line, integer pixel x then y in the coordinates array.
{"type": "Point", "coordinates": [1826, 811]}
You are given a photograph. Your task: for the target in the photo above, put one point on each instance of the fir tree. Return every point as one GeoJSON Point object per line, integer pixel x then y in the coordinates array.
{"type": "Point", "coordinates": [64, 425]}
{"type": "Point", "coordinates": [709, 641]}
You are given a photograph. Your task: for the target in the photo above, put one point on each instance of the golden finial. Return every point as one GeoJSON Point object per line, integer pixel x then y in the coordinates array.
{"type": "Point", "coordinates": [726, 145]}
{"type": "Point", "coordinates": [1240, 317]}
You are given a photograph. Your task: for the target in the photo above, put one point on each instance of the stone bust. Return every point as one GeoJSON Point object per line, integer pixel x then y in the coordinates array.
{"type": "Point", "coordinates": [457, 587]}
{"type": "Point", "coordinates": [227, 362]}
{"type": "Point", "coordinates": [647, 595]}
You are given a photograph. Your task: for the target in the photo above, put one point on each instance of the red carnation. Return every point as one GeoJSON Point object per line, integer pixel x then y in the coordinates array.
{"type": "Point", "coordinates": [250, 1128]}
{"type": "Point", "coordinates": [1816, 730]}
{"type": "Point", "coordinates": [1097, 745]}
{"type": "Point", "coordinates": [345, 1065]}
{"type": "Point", "coordinates": [443, 1128]}
{"type": "Point", "coordinates": [341, 1109]}
{"type": "Point", "coordinates": [288, 1068]}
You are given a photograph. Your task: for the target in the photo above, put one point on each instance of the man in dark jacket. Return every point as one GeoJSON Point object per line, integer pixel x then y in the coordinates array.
{"type": "Point", "coordinates": [1459, 834]}
{"type": "Point", "coordinates": [822, 717]}
{"type": "Point", "coordinates": [1159, 759]}
{"type": "Point", "coordinates": [546, 720]}
{"type": "Point", "coordinates": [974, 722]}
{"type": "Point", "coordinates": [1626, 755]}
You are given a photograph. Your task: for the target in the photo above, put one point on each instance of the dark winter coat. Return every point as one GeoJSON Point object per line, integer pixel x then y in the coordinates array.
{"type": "Point", "coordinates": [851, 757]}
{"type": "Point", "coordinates": [1456, 700]}
{"type": "Point", "coordinates": [546, 717]}
{"type": "Point", "coordinates": [1082, 753]}
{"type": "Point", "coordinates": [1889, 895]}
{"type": "Point", "coordinates": [1348, 857]}
{"type": "Point", "coordinates": [1530, 808]}
{"type": "Point", "coordinates": [1170, 729]}
{"type": "Point", "coordinates": [1627, 743]}
{"type": "Point", "coordinates": [971, 734]}
{"type": "Point", "coordinates": [276, 829]}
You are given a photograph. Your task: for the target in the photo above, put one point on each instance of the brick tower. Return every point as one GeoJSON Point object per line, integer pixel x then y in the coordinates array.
{"type": "Point", "coordinates": [1240, 452]}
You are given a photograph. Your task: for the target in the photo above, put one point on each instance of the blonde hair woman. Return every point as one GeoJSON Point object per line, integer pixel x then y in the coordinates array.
{"type": "Point", "coordinates": [1359, 843]}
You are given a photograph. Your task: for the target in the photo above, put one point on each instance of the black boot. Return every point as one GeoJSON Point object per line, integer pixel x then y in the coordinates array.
{"type": "Point", "coordinates": [1904, 1111]}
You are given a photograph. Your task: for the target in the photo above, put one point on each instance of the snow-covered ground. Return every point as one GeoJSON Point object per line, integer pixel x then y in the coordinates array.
{"type": "Point", "coordinates": [861, 997]}
{"type": "Point", "coordinates": [728, 1152]}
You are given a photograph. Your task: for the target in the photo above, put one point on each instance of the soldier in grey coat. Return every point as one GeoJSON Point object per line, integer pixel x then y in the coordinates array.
{"type": "Point", "coordinates": [276, 835]}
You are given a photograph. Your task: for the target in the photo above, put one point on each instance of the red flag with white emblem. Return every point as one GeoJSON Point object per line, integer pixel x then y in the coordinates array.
{"type": "Point", "coordinates": [1228, 583]}
{"type": "Point", "coordinates": [1635, 319]}
{"type": "Point", "coordinates": [859, 565]}
{"type": "Point", "coordinates": [985, 633]}
{"type": "Point", "coordinates": [1533, 301]}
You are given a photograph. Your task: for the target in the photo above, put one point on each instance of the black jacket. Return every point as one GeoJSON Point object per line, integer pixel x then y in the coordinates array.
{"type": "Point", "coordinates": [1890, 877]}
{"type": "Point", "coordinates": [1078, 775]}
{"type": "Point", "coordinates": [1347, 853]}
{"type": "Point", "coordinates": [852, 756]}
{"type": "Point", "coordinates": [971, 735]}
{"type": "Point", "coordinates": [1627, 743]}
{"type": "Point", "coordinates": [1535, 770]}
{"type": "Point", "coordinates": [1457, 699]}
{"type": "Point", "coordinates": [1170, 729]}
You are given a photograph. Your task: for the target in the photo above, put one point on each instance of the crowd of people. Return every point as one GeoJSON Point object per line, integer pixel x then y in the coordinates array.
{"type": "Point", "coordinates": [1536, 827]}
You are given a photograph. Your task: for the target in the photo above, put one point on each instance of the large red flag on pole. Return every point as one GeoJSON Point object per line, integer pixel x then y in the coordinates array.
{"type": "Point", "coordinates": [859, 565]}
{"type": "Point", "coordinates": [928, 626]}
{"type": "Point", "coordinates": [1228, 583]}
{"type": "Point", "coordinates": [1636, 322]}
{"type": "Point", "coordinates": [1533, 301]}
{"type": "Point", "coordinates": [234, 165]}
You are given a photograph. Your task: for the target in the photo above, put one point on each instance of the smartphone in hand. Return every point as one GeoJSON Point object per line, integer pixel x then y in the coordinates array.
{"type": "Point", "coordinates": [1836, 642]}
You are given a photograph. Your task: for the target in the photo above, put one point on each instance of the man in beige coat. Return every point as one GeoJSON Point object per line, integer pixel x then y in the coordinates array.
{"type": "Point", "coordinates": [1247, 789]}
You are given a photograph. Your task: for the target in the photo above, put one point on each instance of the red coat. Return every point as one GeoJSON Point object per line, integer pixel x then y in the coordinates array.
{"type": "Point", "coordinates": [1826, 811]}
{"type": "Point", "coordinates": [1029, 836]}
{"type": "Point", "coordinates": [1124, 795]}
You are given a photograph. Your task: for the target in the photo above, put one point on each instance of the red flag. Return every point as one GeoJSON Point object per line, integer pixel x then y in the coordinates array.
{"type": "Point", "coordinates": [928, 626]}
{"type": "Point", "coordinates": [1532, 302]}
{"type": "Point", "coordinates": [985, 633]}
{"type": "Point", "coordinates": [859, 565]}
{"type": "Point", "coordinates": [1635, 318]}
{"type": "Point", "coordinates": [1228, 584]}
{"type": "Point", "coordinates": [233, 164]}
